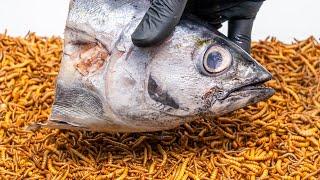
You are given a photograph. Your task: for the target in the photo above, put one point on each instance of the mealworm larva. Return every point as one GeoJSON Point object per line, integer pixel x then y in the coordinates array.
{"type": "Point", "coordinates": [185, 176]}
{"type": "Point", "coordinates": [310, 166]}
{"type": "Point", "coordinates": [292, 93]}
{"type": "Point", "coordinates": [183, 168]}
{"type": "Point", "coordinates": [3, 154]}
{"type": "Point", "coordinates": [238, 169]}
{"type": "Point", "coordinates": [51, 168]}
{"type": "Point", "coordinates": [300, 144]}
{"type": "Point", "coordinates": [309, 65]}
{"type": "Point", "coordinates": [304, 169]}
{"type": "Point", "coordinates": [230, 161]}
{"type": "Point", "coordinates": [214, 174]}
{"type": "Point", "coordinates": [231, 136]}
{"type": "Point", "coordinates": [124, 174]}
{"type": "Point", "coordinates": [164, 155]}
{"type": "Point", "coordinates": [66, 173]}
{"type": "Point", "coordinates": [139, 141]}
{"type": "Point", "coordinates": [152, 166]}
{"type": "Point", "coordinates": [145, 156]}
{"type": "Point", "coordinates": [277, 98]}
{"type": "Point", "coordinates": [260, 113]}
{"type": "Point", "coordinates": [313, 140]}
{"type": "Point", "coordinates": [232, 157]}
{"type": "Point", "coordinates": [189, 128]}
{"type": "Point", "coordinates": [259, 158]}
{"type": "Point", "coordinates": [305, 133]}
{"type": "Point", "coordinates": [264, 174]}
{"type": "Point", "coordinates": [278, 167]}
{"type": "Point", "coordinates": [81, 156]}
{"type": "Point", "coordinates": [294, 137]}
{"type": "Point", "coordinates": [112, 142]}
{"type": "Point", "coordinates": [44, 159]}
{"type": "Point", "coordinates": [202, 132]}
{"type": "Point", "coordinates": [175, 155]}
{"type": "Point", "coordinates": [203, 154]}
{"type": "Point", "coordinates": [193, 176]}
{"type": "Point", "coordinates": [252, 167]}
{"type": "Point", "coordinates": [149, 151]}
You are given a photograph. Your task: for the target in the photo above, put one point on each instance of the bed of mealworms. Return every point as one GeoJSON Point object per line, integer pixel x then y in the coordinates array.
{"type": "Point", "coordinates": [278, 138]}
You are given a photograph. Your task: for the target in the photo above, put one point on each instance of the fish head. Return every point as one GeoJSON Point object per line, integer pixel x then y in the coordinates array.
{"type": "Point", "coordinates": [205, 73]}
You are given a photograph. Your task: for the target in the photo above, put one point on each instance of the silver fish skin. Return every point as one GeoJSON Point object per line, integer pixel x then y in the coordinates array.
{"type": "Point", "coordinates": [107, 84]}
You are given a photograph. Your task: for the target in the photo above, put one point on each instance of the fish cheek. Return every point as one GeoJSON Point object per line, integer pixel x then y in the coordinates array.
{"type": "Point", "coordinates": [159, 95]}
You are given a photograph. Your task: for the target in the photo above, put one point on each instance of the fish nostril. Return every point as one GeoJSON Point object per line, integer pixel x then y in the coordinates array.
{"type": "Point", "coordinates": [221, 95]}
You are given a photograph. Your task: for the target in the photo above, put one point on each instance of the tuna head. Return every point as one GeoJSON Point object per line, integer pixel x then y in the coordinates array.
{"type": "Point", "coordinates": [205, 74]}
{"type": "Point", "coordinates": [107, 84]}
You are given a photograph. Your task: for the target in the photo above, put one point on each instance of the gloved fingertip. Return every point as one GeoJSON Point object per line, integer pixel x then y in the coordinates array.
{"type": "Point", "coordinates": [141, 39]}
{"type": "Point", "coordinates": [158, 23]}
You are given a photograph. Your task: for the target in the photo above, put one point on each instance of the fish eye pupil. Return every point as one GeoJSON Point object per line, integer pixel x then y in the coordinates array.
{"type": "Point", "coordinates": [214, 60]}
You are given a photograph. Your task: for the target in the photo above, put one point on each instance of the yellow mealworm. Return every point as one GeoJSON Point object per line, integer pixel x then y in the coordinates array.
{"type": "Point", "coordinates": [214, 174]}
{"type": "Point", "coordinates": [252, 167]}
{"type": "Point", "coordinates": [260, 113]}
{"type": "Point", "coordinates": [44, 159]}
{"type": "Point", "coordinates": [238, 169]}
{"type": "Point", "coordinates": [230, 161]}
{"type": "Point", "coordinates": [305, 133]}
{"type": "Point", "coordinates": [139, 141]}
{"type": "Point", "coordinates": [51, 168]}
{"type": "Point", "coordinates": [193, 176]}
{"type": "Point", "coordinates": [292, 93]}
{"type": "Point", "coordinates": [231, 136]}
{"type": "Point", "coordinates": [124, 174]}
{"type": "Point", "coordinates": [183, 168]}
{"type": "Point", "coordinates": [163, 153]}
{"type": "Point", "coordinates": [81, 156]}
{"type": "Point", "coordinates": [279, 168]}
{"type": "Point", "coordinates": [259, 158]}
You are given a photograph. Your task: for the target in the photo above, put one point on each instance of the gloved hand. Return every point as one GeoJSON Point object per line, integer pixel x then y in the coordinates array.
{"type": "Point", "coordinates": [163, 15]}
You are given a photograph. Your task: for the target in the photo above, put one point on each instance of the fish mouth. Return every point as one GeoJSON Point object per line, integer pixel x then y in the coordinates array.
{"type": "Point", "coordinates": [255, 86]}
{"type": "Point", "coordinates": [242, 97]}
{"type": "Point", "coordinates": [254, 92]}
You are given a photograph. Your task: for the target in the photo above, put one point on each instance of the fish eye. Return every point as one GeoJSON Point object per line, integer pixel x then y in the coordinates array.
{"type": "Point", "coordinates": [216, 59]}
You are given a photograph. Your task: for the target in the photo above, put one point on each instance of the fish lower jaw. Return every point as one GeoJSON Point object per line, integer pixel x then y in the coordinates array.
{"type": "Point", "coordinates": [252, 87]}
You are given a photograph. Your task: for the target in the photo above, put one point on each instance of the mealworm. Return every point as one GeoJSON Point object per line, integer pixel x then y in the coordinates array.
{"type": "Point", "coordinates": [124, 174]}
{"type": "Point", "coordinates": [51, 168]}
{"type": "Point", "coordinates": [192, 176]}
{"type": "Point", "coordinates": [139, 141]}
{"type": "Point", "coordinates": [238, 169]}
{"type": "Point", "coordinates": [214, 174]}
{"type": "Point", "coordinates": [252, 167]}
{"type": "Point", "coordinates": [164, 155]}
{"type": "Point", "coordinates": [259, 158]}
{"type": "Point", "coordinates": [305, 133]}
{"type": "Point", "coordinates": [183, 168]}
{"type": "Point", "coordinates": [230, 161]}
{"type": "Point", "coordinates": [231, 136]}
{"type": "Point", "coordinates": [278, 167]}
{"type": "Point", "coordinates": [260, 113]}
{"type": "Point", "coordinates": [44, 159]}
{"type": "Point", "coordinates": [81, 156]}
{"type": "Point", "coordinates": [291, 92]}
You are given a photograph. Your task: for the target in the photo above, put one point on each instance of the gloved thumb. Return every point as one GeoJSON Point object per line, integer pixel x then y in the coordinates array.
{"type": "Point", "coordinates": [159, 22]}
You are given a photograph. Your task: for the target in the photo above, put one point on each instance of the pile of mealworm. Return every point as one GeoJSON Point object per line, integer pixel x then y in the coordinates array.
{"type": "Point", "coordinates": [278, 138]}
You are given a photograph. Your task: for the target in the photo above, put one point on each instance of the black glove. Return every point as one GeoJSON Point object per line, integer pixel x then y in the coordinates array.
{"type": "Point", "coordinates": [163, 15]}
